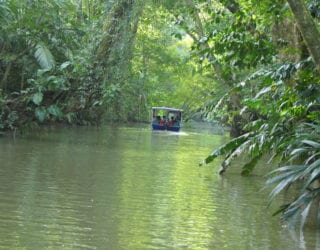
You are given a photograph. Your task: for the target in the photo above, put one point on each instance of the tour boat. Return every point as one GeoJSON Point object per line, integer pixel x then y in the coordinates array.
{"type": "Point", "coordinates": [165, 118]}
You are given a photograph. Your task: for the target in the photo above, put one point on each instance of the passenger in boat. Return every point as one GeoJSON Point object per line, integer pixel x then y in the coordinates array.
{"type": "Point", "coordinates": [171, 122]}
{"type": "Point", "coordinates": [163, 121]}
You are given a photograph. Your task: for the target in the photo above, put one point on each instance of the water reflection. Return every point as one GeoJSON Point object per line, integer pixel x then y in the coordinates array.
{"type": "Point", "coordinates": [129, 188]}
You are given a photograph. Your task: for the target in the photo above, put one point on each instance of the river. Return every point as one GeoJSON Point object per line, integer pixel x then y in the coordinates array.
{"type": "Point", "coordinates": [127, 187]}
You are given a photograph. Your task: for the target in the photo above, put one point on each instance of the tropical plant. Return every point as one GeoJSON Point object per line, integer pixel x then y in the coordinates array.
{"type": "Point", "coordinates": [46, 74]}
{"type": "Point", "coordinates": [305, 149]}
{"type": "Point", "coordinates": [278, 116]}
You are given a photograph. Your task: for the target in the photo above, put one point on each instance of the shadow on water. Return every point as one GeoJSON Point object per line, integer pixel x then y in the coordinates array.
{"type": "Point", "coordinates": [120, 187]}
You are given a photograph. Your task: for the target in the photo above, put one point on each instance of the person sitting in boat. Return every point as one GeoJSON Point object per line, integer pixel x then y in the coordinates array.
{"type": "Point", "coordinates": [171, 122]}
{"type": "Point", "coordinates": [163, 121]}
{"type": "Point", "coordinates": [157, 120]}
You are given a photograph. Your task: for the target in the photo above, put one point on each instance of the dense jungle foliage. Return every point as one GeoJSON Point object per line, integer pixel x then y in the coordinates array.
{"type": "Point", "coordinates": [251, 65]}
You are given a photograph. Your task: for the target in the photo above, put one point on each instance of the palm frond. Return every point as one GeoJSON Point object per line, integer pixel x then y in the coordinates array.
{"type": "Point", "coordinates": [5, 13]}
{"type": "Point", "coordinates": [305, 213]}
{"type": "Point", "coordinates": [248, 167]}
{"type": "Point", "coordinates": [311, 143]}
{"type": "Point", "coordinates": [232, 155]}
{"type": "Point", "coordinates": [229, 147]}
{"type": "Point", "coordinates": [315, 175]}
{"type": "Point", "coordinates": [301, 206]}
{"type": "Point", "coordinates": [289, 175]}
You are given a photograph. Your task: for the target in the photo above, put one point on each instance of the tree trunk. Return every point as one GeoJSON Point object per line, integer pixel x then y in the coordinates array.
{"type": "Point", "coordinates": [115, 50]}
{"type": "Point", "coordinates": [308, 29]}
{"type": "Point", "coordinates": [3, 83]}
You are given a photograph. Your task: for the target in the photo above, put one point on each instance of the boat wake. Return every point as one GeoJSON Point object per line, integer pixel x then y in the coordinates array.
{"type": "Point", "coordinates": [169, 133]}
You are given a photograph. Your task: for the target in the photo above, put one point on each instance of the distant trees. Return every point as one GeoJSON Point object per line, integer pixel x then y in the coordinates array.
{"type": "Point", "coordinates": [80, 62]}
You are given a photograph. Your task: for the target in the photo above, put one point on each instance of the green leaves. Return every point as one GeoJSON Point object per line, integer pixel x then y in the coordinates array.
{"type": "Point", "coordinates": [305, 147]}
{"type": "Point", "coordinates": [53, 111]}
{"type": "Point", "coordinates": [287, 175]}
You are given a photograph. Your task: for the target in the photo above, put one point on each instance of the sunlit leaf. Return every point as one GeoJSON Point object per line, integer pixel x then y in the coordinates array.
{"type": "Point", "coordinates": [41, 113]}
{"type": "Point", "coordinates": [65, 65]}
{"type": "Point", "coordinates": [44, 56]}
{"type": "Point", "coordinates": [313, 177]}
{"type": "Point", "coordinates": [55, 111]}
{"type": "Point", "coordinates": [289, 175]}
{"type": "Point", "coordinates": [37, 98]}
{"type": "Point", "coordinates": [288, 168]}
{"type": "Point", "coordinates": [312, 143]}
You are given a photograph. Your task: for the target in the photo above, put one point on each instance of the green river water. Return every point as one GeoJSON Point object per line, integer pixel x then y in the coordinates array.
{"type": "Point", "coordinates": [122, 187]}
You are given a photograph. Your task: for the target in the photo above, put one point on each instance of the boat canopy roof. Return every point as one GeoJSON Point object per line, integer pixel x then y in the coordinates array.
{"type": "Point", "coordinates": [167, 109]}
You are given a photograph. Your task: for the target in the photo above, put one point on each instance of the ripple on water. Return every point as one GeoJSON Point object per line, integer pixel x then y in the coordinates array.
{"type": "Point", "coordinates": [118, 188]}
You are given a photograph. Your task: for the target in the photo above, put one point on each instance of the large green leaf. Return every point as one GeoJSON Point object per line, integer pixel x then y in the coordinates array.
{"type": "Point", "coordinates": [37, 98]}
{"type": "Point", "coordinates": [55, 111]}
{"type": "Point", "coordinates": [65, 65]}
{"type": "Point", "coordinates": [44, 56]}
{"type": "Point", "coordinates": [41, 113]}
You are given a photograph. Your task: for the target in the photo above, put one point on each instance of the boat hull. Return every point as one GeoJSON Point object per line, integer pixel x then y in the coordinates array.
{"type": "Point", "coordinates": [158, 127]}
{"type": "Point", "coordinates": [163, 127]}
{"type": "Point", "coordinates": [173, 128]}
